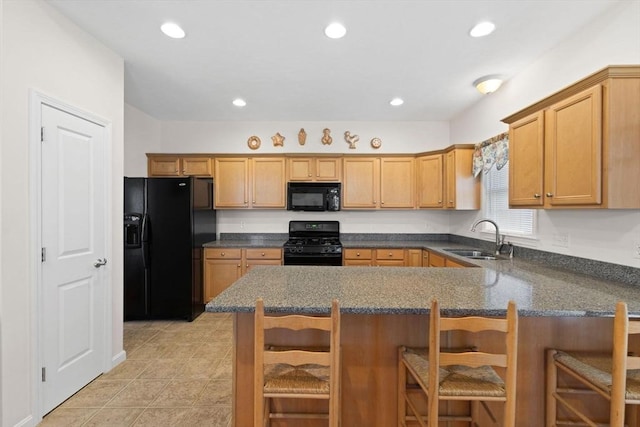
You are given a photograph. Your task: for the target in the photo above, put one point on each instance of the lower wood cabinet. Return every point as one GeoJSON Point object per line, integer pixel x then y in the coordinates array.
{"type": "Point", "coordinates": [380, 257]}
{"type": "Point", "coordinates": [390, 257]}
{"type": "Point", "coordinates": [357, 257]}
{"type": "Point", "coordinates": [223, 266]}
{"type": "Point", "coordinates": [436, 260]}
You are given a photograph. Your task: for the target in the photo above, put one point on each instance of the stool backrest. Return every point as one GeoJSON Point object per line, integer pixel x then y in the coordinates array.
{"type": "Point", "coordinates": [508, 359]}
{"type": "Point", "coordinates": [622, 361]}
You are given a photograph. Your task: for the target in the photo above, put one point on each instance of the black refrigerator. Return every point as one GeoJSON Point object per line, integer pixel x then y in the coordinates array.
{"type": "Point", "coordinates": [166, 222]}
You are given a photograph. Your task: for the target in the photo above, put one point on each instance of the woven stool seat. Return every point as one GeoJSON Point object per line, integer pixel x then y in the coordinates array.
{"type": "Point", "coordinates": [283, 378]}
{"type": "Point", "coordinates": [458, 374]}
{"type": "Point", "coordinates": [615, 376]}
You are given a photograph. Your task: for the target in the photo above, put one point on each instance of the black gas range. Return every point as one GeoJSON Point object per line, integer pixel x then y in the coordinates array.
{"type": "Point", "coordinates": [313, 243]}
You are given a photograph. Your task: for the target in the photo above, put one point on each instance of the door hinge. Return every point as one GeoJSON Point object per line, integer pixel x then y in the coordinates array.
{"type": "Point", "coordinates": [44, 374]}
{"type": "Point", "coordinates": [43, 254]}
{"type": "Point", "coordinates": [42, 134]}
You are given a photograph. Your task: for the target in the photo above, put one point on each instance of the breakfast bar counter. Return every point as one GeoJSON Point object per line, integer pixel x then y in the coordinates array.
{"type": "Point", "coordinates": [385, 307]}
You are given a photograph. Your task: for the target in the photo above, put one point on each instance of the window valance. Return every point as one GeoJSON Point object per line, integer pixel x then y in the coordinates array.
{"type": "Point", "coordinates": [492, 151]}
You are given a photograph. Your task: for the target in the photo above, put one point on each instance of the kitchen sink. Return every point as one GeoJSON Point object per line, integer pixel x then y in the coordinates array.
{"type": "Point", "coordinates": [473, 254]}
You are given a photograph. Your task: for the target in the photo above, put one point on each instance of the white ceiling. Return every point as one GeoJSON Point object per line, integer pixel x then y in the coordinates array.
{"type": "Point", "coordinates": [275, 55]}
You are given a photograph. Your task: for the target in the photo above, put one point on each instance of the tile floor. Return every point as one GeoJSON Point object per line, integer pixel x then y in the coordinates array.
{"type": "Point", "coordinates": [176, 374]}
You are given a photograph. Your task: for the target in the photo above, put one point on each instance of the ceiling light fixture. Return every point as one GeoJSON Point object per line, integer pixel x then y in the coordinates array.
{"type": "Point", "coordinates": [335, 30]}
{"type": "Point", "coordinates": [482, 29]}
{"type": "Point", "coordinates": [239, 102]}
{"type": "Point", "coordinates": [172, 30]}
{"type": "Point", "coordinates": [488, 84]}
{"type": "Point", "coordinates": [396, 102]}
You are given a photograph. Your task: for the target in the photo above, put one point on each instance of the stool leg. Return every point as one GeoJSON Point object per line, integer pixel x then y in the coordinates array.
{"type": "Point", "coordinates": [402, 384]}
{"type": "Point", "coordinates": [551, 386]}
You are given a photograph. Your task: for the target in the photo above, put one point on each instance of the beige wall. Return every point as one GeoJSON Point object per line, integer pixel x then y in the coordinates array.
{"type": "Point", "coordinates": [44, 51]}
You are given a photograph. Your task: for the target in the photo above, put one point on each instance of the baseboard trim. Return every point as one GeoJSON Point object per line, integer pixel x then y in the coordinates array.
{"type": "Point", "coordinates": [118, 359]}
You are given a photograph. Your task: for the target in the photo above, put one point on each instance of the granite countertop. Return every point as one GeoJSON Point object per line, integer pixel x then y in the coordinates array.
{"type": "Point", "coordinates": [409, 290]}
{"type": "Point", "coordinates": [537, 289]}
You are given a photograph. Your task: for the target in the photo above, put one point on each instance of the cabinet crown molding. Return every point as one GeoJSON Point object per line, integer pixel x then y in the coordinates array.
{"type": "Point", "coordinates": [610, 72]}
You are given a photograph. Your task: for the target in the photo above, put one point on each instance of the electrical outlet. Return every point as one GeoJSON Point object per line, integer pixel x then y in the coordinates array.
{"type": "Point", "coordinates": [561, 240]}
{"type": "Point", "coordinates": [636, 249]}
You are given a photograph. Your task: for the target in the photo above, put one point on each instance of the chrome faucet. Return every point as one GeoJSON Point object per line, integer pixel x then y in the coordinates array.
{"type": "Point", "coordinates": [498, 243]}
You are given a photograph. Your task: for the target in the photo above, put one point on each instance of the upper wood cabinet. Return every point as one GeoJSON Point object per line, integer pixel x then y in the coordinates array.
{"type": "Point", "coordinates": [268, 186]}
{"type": "Point", "coordinates": [461, 189]}
{"type": "Point", "coordinates": [579, 147]}
{"type": "Point", "coordinates": [397, 182]}
{"type": "Point", "coordinates": [526, 161]}
{"type": "Point", "coordinates": [378, 183]}
{"type": "Point", "coordinates": [429, 179]}
{"type": "Point", "coordinates": [257, 182]}
{"type": "Point", "coordinates": [314, 168]}
{"type": "Point", "coordinates": [170, 165]}
{"type": "Point", "coordinates": [360, 185]}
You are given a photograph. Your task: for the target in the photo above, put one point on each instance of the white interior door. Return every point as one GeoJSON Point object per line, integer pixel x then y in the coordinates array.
{"type": "Point", "coordinates": [72, 300]}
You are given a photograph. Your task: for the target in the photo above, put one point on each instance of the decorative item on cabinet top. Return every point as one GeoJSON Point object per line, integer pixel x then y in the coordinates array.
{"type": "Point", "coordinates": [253, 142]}
{"type": "Point", "coordinates": [351, 139]}
{"type": "Point", "coordinates": [278, 140]}
{"type": "Point", "coordinates": [302, 136]}
{"type": "Point", "coordinates": [326, 136]}
{"type": "Point", "coordinates": [376, 143]}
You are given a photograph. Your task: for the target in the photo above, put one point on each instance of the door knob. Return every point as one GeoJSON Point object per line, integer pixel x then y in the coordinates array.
{"type": "Point", "coordinates": [99, 262]}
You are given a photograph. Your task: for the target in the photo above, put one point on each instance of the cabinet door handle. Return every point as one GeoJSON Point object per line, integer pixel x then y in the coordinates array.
{"type": "Point", "coordinates": [262, 254]}
{"type": "Point", "coordinates": [382, 203]}
{"type": "Point", "coordinates": [537, 196]}
{"type": "Point", "coordinates": [357, 253]}
{"type": "Point", "coordinates": [390, 254]}
{"type": "Point", "coordinates": [253, 201]}
{"type": "Point", "coordinates": [221, 253]}
{"type": "Point", "coordinates": [309, 175]}
{"type": "Point", "coordinates": [549, 194]}
{"type": "Point", "coordinates": [439, 201]}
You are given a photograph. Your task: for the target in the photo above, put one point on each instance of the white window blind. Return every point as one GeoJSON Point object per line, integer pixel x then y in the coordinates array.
{"type": "Point", "coordinates": [495, 205]}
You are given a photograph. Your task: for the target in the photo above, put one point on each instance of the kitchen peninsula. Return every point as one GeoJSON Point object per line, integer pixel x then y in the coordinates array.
{"type": "Point", "coordinates": [383, 308]}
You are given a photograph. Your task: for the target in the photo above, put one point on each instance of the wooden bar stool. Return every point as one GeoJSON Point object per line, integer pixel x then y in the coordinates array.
{"type": "Point", "coordinates": [616, 377]}
{"type": "Point", "coordinates": [296, 372]}
{"type": "Point", "coordinates": [459, 374]}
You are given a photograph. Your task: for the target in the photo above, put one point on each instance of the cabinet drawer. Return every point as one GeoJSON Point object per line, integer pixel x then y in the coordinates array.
{"type": "Point", "coordinates": [222, 253]}
{"type": "Point", "coordinates": [382, 254]}
{"type": "Point", "coordinates": [358, 253]}
{"type": "Point", "coordinates": [264, 253]}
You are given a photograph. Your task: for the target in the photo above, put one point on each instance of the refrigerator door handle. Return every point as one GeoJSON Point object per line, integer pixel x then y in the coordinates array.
{"type": "Point", "coordinates": [145, 241]}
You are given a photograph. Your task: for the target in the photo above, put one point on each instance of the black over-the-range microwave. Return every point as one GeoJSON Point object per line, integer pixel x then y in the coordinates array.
{"type": "Point", "coordinates": [313, 196]}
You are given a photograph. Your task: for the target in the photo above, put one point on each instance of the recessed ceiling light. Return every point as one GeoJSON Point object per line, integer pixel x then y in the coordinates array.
{"type": "Point", "coordinates": [488, 84]}
{"type": "Point", "coordinates": [482, 29]}
{"type": "Point", "coordinates": [172, 30]}
{"type": "Point", "coordinates": [335, 30]}
{"type": "Point", "coordinates": [396, 102]}
{"type": "Point", "coordinates": [239, 102]}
